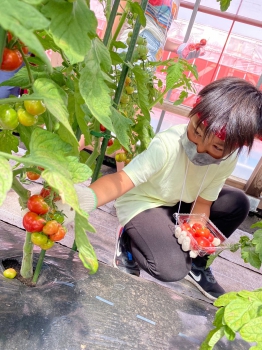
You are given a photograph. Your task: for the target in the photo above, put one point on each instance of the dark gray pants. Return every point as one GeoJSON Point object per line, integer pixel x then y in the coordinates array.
{"type": "Point", "coordinates": [154, 246]}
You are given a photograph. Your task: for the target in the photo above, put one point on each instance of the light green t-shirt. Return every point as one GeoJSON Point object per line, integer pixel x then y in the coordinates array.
{"type": "Point", "coordinates": [159, 173]}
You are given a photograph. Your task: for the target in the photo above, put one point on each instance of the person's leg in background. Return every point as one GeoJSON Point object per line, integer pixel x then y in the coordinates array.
{"type": "Point", "coordinates": [227, 213]}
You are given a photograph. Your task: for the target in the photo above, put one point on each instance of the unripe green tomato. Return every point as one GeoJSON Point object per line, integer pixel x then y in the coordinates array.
{"type": "Point", "coordinates": [129, 90]}
{"type": "Point", "coordinates": [34, 107]}
{"type": "Point", "coordinates": [8, 117]}
{"type": "Point", "coordinates": [10, 273]}
{"type": "Point", "coordinates": [26, 118]}
{"type": "Point", "coordinates": [49, 244]}
{"type": "Point", "coordinates": [140, 40]}
{"type": "Point", "coordinates": [124, 98]}
{"type": "Point", "coordinates": [38, 238]}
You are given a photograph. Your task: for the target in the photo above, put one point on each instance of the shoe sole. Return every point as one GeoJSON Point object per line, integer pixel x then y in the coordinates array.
{"type": "Point", "coordinates": [191, 280]}
{"type": "Point", "coordinates": [117, 236]}
{"type": "Point", "coordinates": [114, 264]}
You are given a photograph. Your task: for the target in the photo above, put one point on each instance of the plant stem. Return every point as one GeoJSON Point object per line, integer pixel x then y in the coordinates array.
{"type": "Point", "coordinates": [128, 56]}
{"type": "Point", "coordinates": [27, 261]}
{"type": "Point", "coordinates": [39, 265]}
{"type": "Point", "coordinates": [2, 42]}
{"type": "Point", "coordinates": [111, 19]}
{"type": "Point", "coordinates": [17, 99]}
{"type": "Point", "coordinates": [30, 75]}
{"type": "Point", "coordinates": [22, 192]}
{"type": "Point", "coordinates": [157, 100]}
{"type": "Point", "coordinates": [74, 246]}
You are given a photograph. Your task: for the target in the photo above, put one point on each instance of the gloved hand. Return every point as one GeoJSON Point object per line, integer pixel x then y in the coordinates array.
{"type": "Point", "coordinates": [188, 51]}
{"type": "Point", "coordinates": [184, 239]}
{"type": "Point", "coordinates": [87, 202]}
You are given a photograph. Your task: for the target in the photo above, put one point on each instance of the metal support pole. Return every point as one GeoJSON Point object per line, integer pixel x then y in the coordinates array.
{"type": "Point", "coordinates": [188, 32]}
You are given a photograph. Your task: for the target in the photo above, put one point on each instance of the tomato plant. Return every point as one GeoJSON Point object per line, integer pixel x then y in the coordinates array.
{"type": "Point", "coordinates": [37, 204]}
{"type": "Point", "coordinates": [32, 222]}
{"type": "Point", "coordinates": [12, 59]}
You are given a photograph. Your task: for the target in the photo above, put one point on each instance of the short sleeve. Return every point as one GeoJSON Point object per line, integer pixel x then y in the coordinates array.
{"type": "Point", "coordinates": [147, 163]}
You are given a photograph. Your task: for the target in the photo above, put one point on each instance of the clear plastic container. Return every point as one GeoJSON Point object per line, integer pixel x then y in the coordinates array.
{"type": "Point", "coordinates": [182, 219]}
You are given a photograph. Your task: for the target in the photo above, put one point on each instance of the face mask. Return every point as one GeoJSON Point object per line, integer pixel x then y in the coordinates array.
{"type": "Point", "coordinates": [196, 158]}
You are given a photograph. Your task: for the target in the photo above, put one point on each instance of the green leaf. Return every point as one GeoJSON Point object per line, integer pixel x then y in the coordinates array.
{"type": "Point", "coordinates": [119, 44]}
{"type": "Point", "coordinates": [218, 334]}
{"type": "Point", "coordinates": [257, 241]}
{"type": "Point", "coordinates": [70, 25]}
{"type": "Point", "coordinates": [33, 2]}
{"type": "Point", "coordinates": [116, 58]}
{"type": "Point", "coordinates": [218, 321]}
{"type": "Point", "coordinates": [55, 100]}
{"type": "Point", "coordinates": [174, 73]}
{"type": "Point", "coordinates": [47, 41]}
{"type": "Point", "coordinates": [251, 332]}
{"type": "Point", "coordinates": [12, 17]}
{"type": "Point", "coordinates": [136, 8]}
{"type": "Point", "coordinates": [183, 94]}
{"type": "Point", "coordinates": [121, 126]}
{"type": "Point", "coordinates": [224, 4]}
{"type": "Point", "coordinates": [142, 79]}
{"type": "Point", "coordinates": [6, 179]}
{"type": "Point", "coordinates": [230, 335]}
{"type": "Point", "coordinates": [256, 347]}
{"type": "Point", "coordinates": [94, 89]}
{"type": "Point", "coordinates": [8, 142]}
{"type": "Point", "coordinates": [86, 251]}
{"type": "Point", "coordinates": [239, 312]}
{"type": "Point", "coordinates": [250, 256]}
{"type": "Point", "coordinates": [257, 224]}
{"type": "Point", "coordinates": [79, 172]}
{"type": "Point", "coordinates": [102, 54]}
{"type": "Point", "coordinates": [205, 345]}
{"type": "Point", "coordinates": [21, 78]}
{"type": "Point", "coordinates": [225, 299]}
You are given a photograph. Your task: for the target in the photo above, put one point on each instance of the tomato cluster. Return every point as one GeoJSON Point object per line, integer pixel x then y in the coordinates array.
{"type": "Point", "coordinates": [25, 114]}
{"type": "Point", "coordinates": [43, 221]}
{"type": "Point", "coordinates": [197, 46]}
{"type": "Point", "coordinates": [201, 236]}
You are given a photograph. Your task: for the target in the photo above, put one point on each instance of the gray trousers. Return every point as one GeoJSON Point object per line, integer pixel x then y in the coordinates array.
{"type": "Point", "coordinates": [154, 246]}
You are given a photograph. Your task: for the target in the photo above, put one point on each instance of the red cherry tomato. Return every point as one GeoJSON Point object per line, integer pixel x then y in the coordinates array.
{"type": "Point", "coordinates": [196, 226]}
{"type": "Point", "coordinates": [110, 142]}
{"type": "Point", "coordinates": [198, 46]}
{"type": "Point", "coordinates": [203, 42]}
{"type": "Point", "coordinates": [204, 243]}
{"type": "Point", "coordinates": [12, 59]}
{"type": "Point", "coordinates": [187, 227]}
{"type": "Point", "coordinates": [37, 204]}
{"type": "Point", "coordinates": [102, 128]}
{"type": "Point", "coordinates": [191, 47]}
{"type": "Point", "coordinates": [202, 232]}
{"type": "Point", "coordinates": [33, 222]}
{"type": "Point", "coordinates": [45, 193]}
{"type": "Point", "coordinates": [32, 176]}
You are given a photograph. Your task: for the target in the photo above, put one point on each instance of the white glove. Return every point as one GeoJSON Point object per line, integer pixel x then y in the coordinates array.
{"type": "Point", "coordinates": [185, 241]}
{"type": "Point", "coordinates": [87, 202]}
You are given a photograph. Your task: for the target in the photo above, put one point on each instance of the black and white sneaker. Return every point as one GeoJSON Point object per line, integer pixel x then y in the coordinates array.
{"type": "Point", "coordinates": [123, 258]}
{"type": "Point", "coordinates": [205, 281]}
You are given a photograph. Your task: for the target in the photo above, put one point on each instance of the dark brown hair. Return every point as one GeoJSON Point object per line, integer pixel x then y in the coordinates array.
{"type": "Point", "coordinates": [232, 103]}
